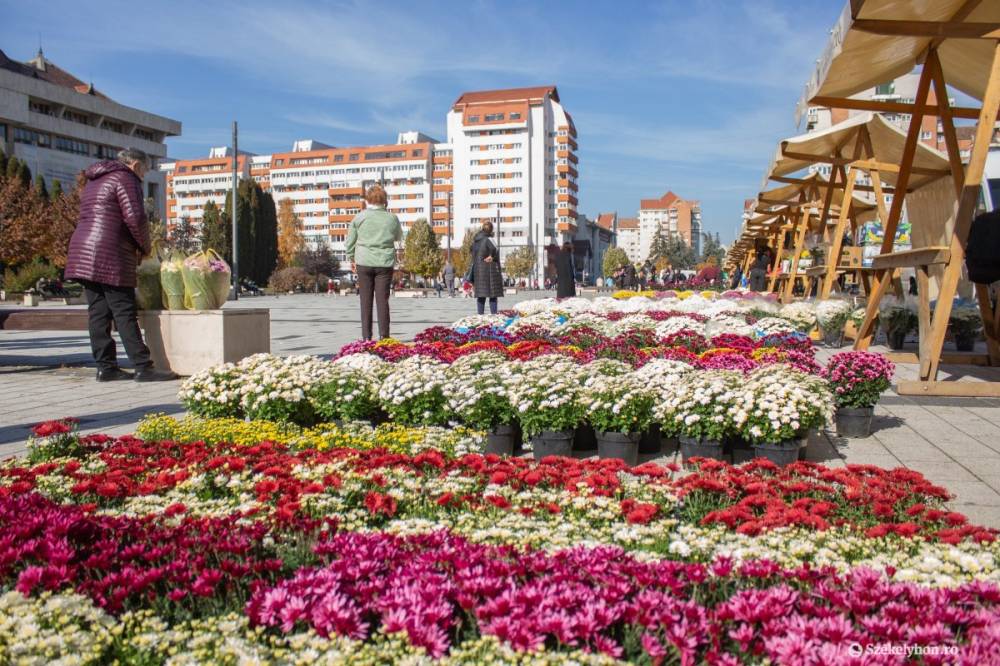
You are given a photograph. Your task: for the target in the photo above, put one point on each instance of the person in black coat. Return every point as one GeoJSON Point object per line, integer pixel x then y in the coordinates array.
{"type": "Point", "coordinates": [630, 280]}
{"type": "Point", "coordinates": [486, 278]}
{"type": "Point", "coordinates": [758, 271]}
{"type": "Point", "coordinates": [565, 272]}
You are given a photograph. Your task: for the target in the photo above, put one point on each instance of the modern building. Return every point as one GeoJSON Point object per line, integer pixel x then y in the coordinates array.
{"type": "Point", "coordinates": [593, 239]}
{"type": "Point", "coordinates": [628, 237]}
{"type": "Point", "coordinates": [59, 125]}
{"type": "Point", "coordinates": [325, 184]}
{"type": "Point", "coordinates": [514, 159]}
{"type": "Point", "coordinates": [671, 215]}
{"type": "Point", "coordinates": [510, 158]}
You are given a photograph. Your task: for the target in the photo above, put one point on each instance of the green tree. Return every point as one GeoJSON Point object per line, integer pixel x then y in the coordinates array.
{"type": "Point", "coordinates": [421, 250]}
{"type": "Point", "coordinates": [24, 173]}
{"type": "Point", "coordinates": [461, 258]}
{"type": "Point", "coordinates": [659, 246]}
{"type": "Point", "coordinates": [12, 167]}
{"type": "Point", "coordinates": [680, 254]}
{"type": "Point", "coordinates": [41, 191]}
{"type": "Point", "coordinates": [183, 236]}
{"type": "Point", "coordinates": [521, 262]}
{"type": "Point", "coordinates": [291, 241]}
{"type": "Point", "coordinates": [214, 231]}
{"type": "Point", "coordinates": [257, 232]}
{"type": "Point", "coordinates": [712, 250]}
{"type": "Point", "coordinates": [57, 190]}
{"type": "Point", "coordinates": [614, 259]}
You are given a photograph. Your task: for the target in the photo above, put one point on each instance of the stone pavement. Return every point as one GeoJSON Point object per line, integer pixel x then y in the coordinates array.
{"type": "Point", "coordinates": [954, 442]}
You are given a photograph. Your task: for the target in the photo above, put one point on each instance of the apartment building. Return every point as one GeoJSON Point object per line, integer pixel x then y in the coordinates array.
{"type": "Point", "coordinates": [670, 215]}
{"type": "Point", "coordinates": [59, 125]}
{"type": "Point", "coordinates": [510, 157]}
{"type": "Point", "coordinates": [514, 159]}
{"type": "Point", "coordinates": [594, 237]}
{"type": "Point", "coordinates": [326, 184]}
{"type": "Point", "coordinates": [629, 239]}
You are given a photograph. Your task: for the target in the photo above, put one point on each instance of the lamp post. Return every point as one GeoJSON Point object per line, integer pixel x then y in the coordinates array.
{"type": "Point", "coordinates": [498, 245]}
{"type": "Point", "coordinates": [449, 226]}
{"type": "Point", "coordinates": [236, 215]}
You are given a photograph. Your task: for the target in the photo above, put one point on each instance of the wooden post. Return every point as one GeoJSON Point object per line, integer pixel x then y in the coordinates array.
{"type": "Point", "coordinates": [838, 235]}
{"type": "Point", "coordinates": [889, 226]}
{"type": "Point", "coordinates": [964, 208]}
{"type": "Point", "coordinates": [799, 229]}
{"type": "Point", "coordinates": [779, 242]}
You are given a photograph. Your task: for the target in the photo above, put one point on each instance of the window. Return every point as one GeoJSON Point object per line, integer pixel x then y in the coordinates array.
{"type": "Point", "coordinates": [515, 116]}
{"type": "Point", "coordinates": [354, 157]}
{"type": "Point", "coordinates": [473, 119]}
{"type": "Point", "coordinates": [40, 107]}
{"type": "Point", "coordinates": [385, 154]}
{"type": "Point", "coordinates": [144, 134]}
{"type": "Point", "coordinates": [22, 135]}
{"type": "Point", "coordinates": [72, 146]}
{"type": "Point", "coordinates": [113, 126]}
{"type": "Point", "coordinates": [493, 117]}
{"type": "Point", "coordinates": [419, 152]}
{"type": "Point", "coordinates": [76, 117]}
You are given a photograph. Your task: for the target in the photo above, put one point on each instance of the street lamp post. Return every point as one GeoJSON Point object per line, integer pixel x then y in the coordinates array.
{"type": "Point", "coordinates": [449, 226]}
{"type": "Point", "coordinates": [498, 244]}
{"type": "Point", "coordinates": [236, 215]}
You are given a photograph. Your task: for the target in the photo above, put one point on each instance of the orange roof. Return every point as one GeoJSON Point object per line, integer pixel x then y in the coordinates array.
{"type": "Point", "coordinates": [606, 220]}
{"type": "Point", "coordinates": [508, 95]}
{"type": "Point", "coordinates": [659, 204]}
{"type": "Point", "coordinates": [628, 223]}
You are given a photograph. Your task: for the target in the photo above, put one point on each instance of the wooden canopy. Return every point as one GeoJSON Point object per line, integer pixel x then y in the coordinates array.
{"type": "Point", "coordinates": [957, 43]}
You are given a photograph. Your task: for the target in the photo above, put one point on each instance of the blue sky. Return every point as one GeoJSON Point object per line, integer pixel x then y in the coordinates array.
{"type": "Point", "coordinates": [687, 95]}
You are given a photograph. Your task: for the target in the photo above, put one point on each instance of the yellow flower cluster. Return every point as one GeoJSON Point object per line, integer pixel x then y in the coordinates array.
{"type": "Point", "coordinates": [358, 435]}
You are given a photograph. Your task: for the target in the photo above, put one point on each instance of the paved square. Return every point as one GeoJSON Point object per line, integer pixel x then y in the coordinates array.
{"type": "Point", "coordinates": [954, 442]}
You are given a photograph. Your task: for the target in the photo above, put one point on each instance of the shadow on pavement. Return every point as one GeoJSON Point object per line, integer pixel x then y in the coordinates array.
{"type": "Point", "coordinates": [20, 431]}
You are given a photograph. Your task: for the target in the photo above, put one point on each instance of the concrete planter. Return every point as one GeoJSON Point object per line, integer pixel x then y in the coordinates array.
{"type": "Point", "coordinates": [187, 341]}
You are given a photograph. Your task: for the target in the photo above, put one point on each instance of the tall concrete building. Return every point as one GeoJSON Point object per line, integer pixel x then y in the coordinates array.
{"type": "Point", "coordinates": [629, 239]}
{"type": "Point", "coordinates": [59, 125]}
{"type": "Point", "coordinates": [670, 215]}
{"type": "Point", "coordinates": [514, 154]}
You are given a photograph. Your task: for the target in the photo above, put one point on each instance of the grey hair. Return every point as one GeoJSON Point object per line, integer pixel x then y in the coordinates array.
{"type": "Point", "coordinates": [129, 155]}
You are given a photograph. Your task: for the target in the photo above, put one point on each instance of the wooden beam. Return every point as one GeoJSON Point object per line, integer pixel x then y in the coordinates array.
{"type": "Point", "coordinates": [925, 109]}
{"type": "Point", "coordinates": [941, 29]}
{"type": "Point", "coordinates": [924, 256]}
{"type": "Point", "coordinates": [802, 226]}
{"type": "Point", "coordinates": [952, 389]}
{"type": "Point", "coordinates": [948, 358]}
{"type": "Point", "coordinates": [947, 122]}
{"type": "Point", "coordinates": [857, 188]}
{"type": "Point", "coordinates": [838, 234]}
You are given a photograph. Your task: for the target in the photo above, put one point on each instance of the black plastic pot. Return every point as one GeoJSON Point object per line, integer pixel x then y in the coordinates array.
{"type": "Point", "coordinates": [781, 454]}
{"type": "Point", "coordinates": [699, 448]}
{"type": "Point", "coordinates": [896, 339]}
{"type": "Point", "coordinates": [669, 445]}
{"type": "Point", "coordinates": [965, 343]}
{"type": "Point", "coordinates": [854, 421]}
{"type": "Point", "coordinates": [552, 443]}
{"type": "Point", "coordinates": [518, 438]}
{"type": "Point", "coordinates": [741, 450]}
{"type": "Point", "coordinates": [378, 418]}
{"type": "Point", "coordinates": [620, 445]}
{"type": "Point", "coordinates": [585, 438]}
{"type": "Point", "coordinates": [500, 440]}
{"type": "Point", "coordinates": [652, 441]}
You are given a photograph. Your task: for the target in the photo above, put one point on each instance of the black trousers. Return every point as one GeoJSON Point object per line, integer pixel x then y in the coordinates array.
{"type": "Point", "coordinates": [105, 303]}
{"type": "Point", "coordinates": [374, 282]}
{"type": "Point", "coordinates": [481, 305]}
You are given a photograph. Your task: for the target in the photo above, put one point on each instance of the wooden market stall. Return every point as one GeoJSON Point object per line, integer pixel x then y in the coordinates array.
{"type": "Point", "coordinates": [956, 43]}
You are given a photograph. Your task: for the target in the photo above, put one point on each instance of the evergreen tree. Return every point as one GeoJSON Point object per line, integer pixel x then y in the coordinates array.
{"type": "Point", "coordinates": [421, 250]}
{"type": "Point", "coordinates": [3, 165]}
{"type": "Point", "coordinates": [56, 190]}
{"type": "Point", "coordinates": [678, 253]}
{"type": "Point", "coordinates": [41, 191]}
{"type": "Point", "coordinates": [257, 232]}
{"type": "Point", "coordinates": [291, 241]}
{"type": "Point", "coordinates": [183, 236]}
{"type": "Point", "coordinates": [24, 173]}
{"type": "Point", "coordinates": [13, 167]}
{"type": "Point", "coordinates": [215, 231]}
{"type": "Point", "coordinates": [461, 257]}
{"type": "Point", "coordinates": [712, 250]}
{"type": "Point", "coordinates": [659, 246]}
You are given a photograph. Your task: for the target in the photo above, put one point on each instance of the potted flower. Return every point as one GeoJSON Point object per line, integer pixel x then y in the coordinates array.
{"type": "Point", "coordinates": [413, 392]}
{"type": "Point", "coordinates": [966, 324]}
{"type": "Point", "coordinates": [781, 404]}
{"type": "Point", "coordinates": [479, 397]}
{"type": "Point", "coordinates": [898, 321]}
{"type": "Point", "coordinates": [662, 376]}
{"type": "Point", "coordinates": [350, 393]}
{"type": "Point", "coordinates": [858, 378]}
{"type": "Point", "coordinates": [832, 316]}
{"type": "Point", "coordinates": [703, 412]}
{"type": "Point", "coordinates": [620, 409]}
{"type": "Point", "coordinates": [545, 392]}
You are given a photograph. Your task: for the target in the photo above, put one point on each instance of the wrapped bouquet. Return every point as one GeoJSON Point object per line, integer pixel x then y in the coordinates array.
{"type": "Point", "coordinates": [148, 292]}
{"type": "Point", "coordinates": [172, 282]}
{"type": "Point", "coordinates": [206, 280]}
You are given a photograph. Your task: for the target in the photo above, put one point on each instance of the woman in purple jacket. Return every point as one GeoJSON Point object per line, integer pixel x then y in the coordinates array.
{"type": "Point", "coordinates": [111, 235]}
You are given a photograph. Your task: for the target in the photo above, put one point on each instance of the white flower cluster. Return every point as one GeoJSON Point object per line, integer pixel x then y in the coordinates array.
{"type": "Point", "coordinates": [411, 377]}
{"type": "Point", "coordinates": [781, 402]}
{"type": "Point", "coordinates": [800, 313]}
{"type": "Point", "coordinates": [833, 313]}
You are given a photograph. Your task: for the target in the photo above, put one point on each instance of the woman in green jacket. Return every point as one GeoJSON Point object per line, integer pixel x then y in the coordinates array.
{"type": "Point", "coordinates": [371, 247]}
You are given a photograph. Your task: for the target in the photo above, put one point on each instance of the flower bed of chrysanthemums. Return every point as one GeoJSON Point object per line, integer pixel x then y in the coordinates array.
{"type": "Point", "coordinates": [153, 551]}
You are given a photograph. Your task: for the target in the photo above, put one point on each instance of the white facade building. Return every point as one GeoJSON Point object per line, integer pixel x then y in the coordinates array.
{"type": "Point", "coordinates": [514, 157]}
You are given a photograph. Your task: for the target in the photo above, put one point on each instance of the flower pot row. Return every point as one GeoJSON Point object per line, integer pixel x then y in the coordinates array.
{"type": "Point", "coordinates": [507, 440]}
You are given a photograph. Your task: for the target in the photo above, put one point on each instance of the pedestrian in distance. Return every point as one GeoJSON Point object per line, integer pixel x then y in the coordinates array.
{"type": "Point", "coordinates": [449, 278]}
{"type": "Point", "coordinates": [371, 248]}
{"type": "Point", "coordinates": [565, 272]}
{"type": "Point", "coordinates": [486, 275]}
{"type": "Point", "coordinates": [111, 237]}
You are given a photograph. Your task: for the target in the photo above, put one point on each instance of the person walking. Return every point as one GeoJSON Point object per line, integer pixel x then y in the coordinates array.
{"type": "Point", "coordinates": [111, 236]}
{"type": "Point", "coordinates": [371, 248]}
{"type": "Point", "coordinates": [758, 271]}
{"type": "Point", "coordinates": [565, 272]}
{"type": "Point", "coordinates": [486, 276]}
{"type": "Point", "coordinates": [449, 279]}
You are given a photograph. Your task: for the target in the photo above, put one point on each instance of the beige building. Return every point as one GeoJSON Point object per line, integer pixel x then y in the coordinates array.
{"type": "Point", "coordinates": [59, 125]}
